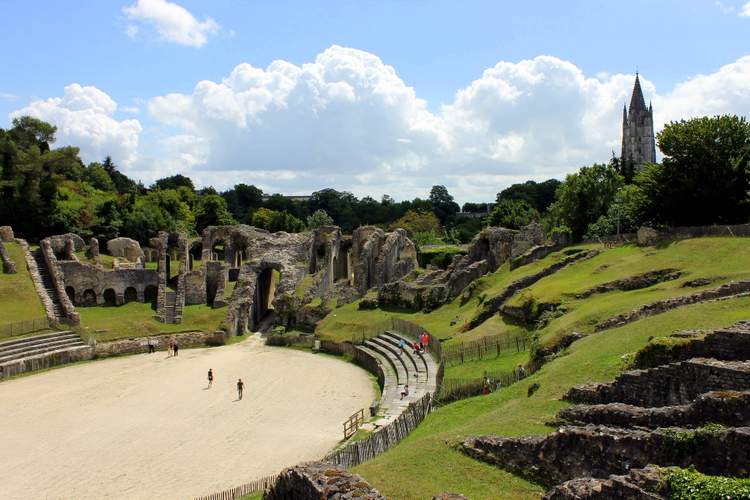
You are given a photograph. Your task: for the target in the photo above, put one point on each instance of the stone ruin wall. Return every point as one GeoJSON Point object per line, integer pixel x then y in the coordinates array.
{"type": "Point", "coordinates": [319, 480]}
{"type": "Point", "coordinates": [57, 276]}
{"type": "Point", "coordinates": [9, 267]}
{"type": "Point", "coordinates": [87, 280]}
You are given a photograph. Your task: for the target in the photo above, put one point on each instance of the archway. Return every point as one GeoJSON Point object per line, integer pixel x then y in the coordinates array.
{"type": "Point", "coordinates": [71, 293]}
{"type": "Point", "coordinates": [150, 293]}
{"type": "Point", "coordinates": [110, 297]}
{"type": "Point", "coordinates": [131, 294]}
{"type": "Point", "coordinates": [265, 289]}
{"type": "Point", "coordinates": [88, 298]}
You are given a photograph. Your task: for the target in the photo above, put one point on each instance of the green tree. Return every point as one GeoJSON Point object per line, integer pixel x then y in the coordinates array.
{"type": "Point", "coordinates": [28, 131]}
{"type": "Point", "coordinates": [242, 199]}
{"type": "Point", "coordinates": [212, 211]}
{"type": "Point", "coordinates": [174, 182]}
{"type": "Point", "coordinates": [415, 222]}
{"type": "Point", "coordinates": [704, 177]}
{"type": "Point", "coordinates": [584, 197]}
{"type": "Point", "coordinates": [98, 177]}
{"type": "Point", "coordinates": [274, 221]}
{"type": "Point", "coordinates": [539, 195]}
{"type": "Point", "coordinates": [319, 218]}
{"type": "Point", "coordinates": [513, 214]}
{"type": "Point", "coordinates": [442, 204]}
{"type": "Point", "coordinates": [625, 215]}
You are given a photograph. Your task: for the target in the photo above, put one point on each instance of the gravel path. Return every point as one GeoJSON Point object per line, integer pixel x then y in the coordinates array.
{"type": "Point", "coordinates": [145, 426]}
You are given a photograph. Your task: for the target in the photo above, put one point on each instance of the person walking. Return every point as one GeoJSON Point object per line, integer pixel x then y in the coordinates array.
{"type": "Point", "coordinates": [151, 348]}
{"type": "Point", "coordinates": [175, 349]}
{"type": "Point", "coordinates": [240, 387]}
{"type": "Point", "coordinates": [210, 378]}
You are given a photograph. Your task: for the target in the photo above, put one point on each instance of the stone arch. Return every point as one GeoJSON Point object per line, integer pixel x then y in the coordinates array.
{"type": "Point", "coordinates": [131, 294]}
{"type": "Point", "coordinates": [88, 297]}
{"type": "Point", "coordinates": [267, 279]}
{"type": "Point", "coordinates": [71, 293]}
{"type": "Point", "coordinates": [110, 297]}
{"type": "Point", "coordinates": [150, 293]}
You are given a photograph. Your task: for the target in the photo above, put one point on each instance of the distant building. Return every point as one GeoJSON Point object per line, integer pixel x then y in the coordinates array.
{"type": "Point", "coordinates": [302, 198]}
{"type": "Point", "coordinates": [638, 145]}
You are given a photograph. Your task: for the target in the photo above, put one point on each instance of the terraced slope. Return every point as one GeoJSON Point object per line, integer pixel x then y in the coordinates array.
{"type": "Point", "coordinates": [20, 301]}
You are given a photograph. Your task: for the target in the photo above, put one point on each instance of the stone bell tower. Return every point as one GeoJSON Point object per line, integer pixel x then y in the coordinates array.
{"type": "Point", "coordinates": [638, 145]}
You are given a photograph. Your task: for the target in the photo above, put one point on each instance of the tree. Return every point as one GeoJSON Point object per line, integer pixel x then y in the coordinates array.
{"type": "Point", "coordinates": [273, 221]}
{"type": "Point", "coordinates": [625, 215]}
{"type": "Point", "coordinates": [415, 222]}
{"type": "Point", "coordinates": [98, 177]}
{"type": "Point", "coordinates": [442, 203]}
{"type": "Point", "coordinates": [242, 199]}
{"type": "Point", "coordinates": [538, 195]}
{"type": "Point", "coordinates": [704, 177]}
{"type": "Point", "coordinates": [174, 182]}
{"type": "Point", "coordinates": [28, 130]}
{"type": "Point", "coordinates": [584, 197]}
{"type": "Point", "coordinates": [122, 183]}
{"type": "Point", "coordinates": [319, 218]}
{"type": "Point", "coordinates": [212, 211]}
{"type": "Point", "coordinates": [513, 214]}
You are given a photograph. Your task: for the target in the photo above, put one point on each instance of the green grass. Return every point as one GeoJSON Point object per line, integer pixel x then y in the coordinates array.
{"type": "Point", "coordinates": [507, 361]}
{"type": "Point", "coordinates": [425, 463]}
{"type": "Point", "coordinates": [20, 301]}
{"type": "Point", "coordinates": [136, 319]}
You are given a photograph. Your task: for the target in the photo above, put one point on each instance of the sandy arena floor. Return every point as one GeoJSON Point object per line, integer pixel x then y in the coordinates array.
{"type": "Point", "coordinates": [145, 426]}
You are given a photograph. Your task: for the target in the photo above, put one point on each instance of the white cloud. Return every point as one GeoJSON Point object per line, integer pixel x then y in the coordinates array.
{"type": "Point", "coordinates": [83, 116]}
{"type": "Point", "coordinates": [745, 11]}
{"type": "Point", "coordinates": [7, 96]}
{"type": "Point", "coordinates": [172, 22]}
{"type": "Point", "coordinates": [348, 121]}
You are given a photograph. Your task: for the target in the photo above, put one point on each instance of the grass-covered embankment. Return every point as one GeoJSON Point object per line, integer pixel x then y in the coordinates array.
{"type": "Point", "coordinates": [20, 301]}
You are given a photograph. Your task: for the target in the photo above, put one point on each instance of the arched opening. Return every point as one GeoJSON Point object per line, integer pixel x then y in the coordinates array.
{"type": "Point", "coordinates": [131, 295]}
{"type": "Point", "coordinates": [88, 298]}
{"type": "Point", "coordinates": [150, 293]}
{"type": "Point", "coordinates": [218, 250]}
{"type": "Point", "coordinates": [110, 298]}
{"type": "Point", "coordinates": [265, 289]}
{"type": "Point", "coordinates": [71, 293]}
{"type": "Point", "coordinates": [194, 254]}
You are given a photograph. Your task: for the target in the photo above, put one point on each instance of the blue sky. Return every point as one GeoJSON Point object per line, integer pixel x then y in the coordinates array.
{"type": "Point", "coordinates": [416, 133]}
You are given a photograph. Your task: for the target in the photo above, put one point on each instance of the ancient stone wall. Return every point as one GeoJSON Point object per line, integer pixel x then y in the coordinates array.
{"type": "Point", "coordinates": [9, 267]}
{"type": "Point", "coordinates": [673, 384]}
{"type": "Point", "coordinates": [126, 248]}
{"type": "Point", "coordinates": [380, 257]}
{"type": "Point", "coordinates": [318, 480]}
{"type": "Point", "coordinates": [6, 234]}
{"type": "Point", "coordinates": [56, 274]}
{"type": "Point", "coordinates": [58, 244]}
{"type": "Point", "coordinates": [49, 308]}
{"type": "Point", "coordinates": [568, 452]}
{"type": "Point", "coordinates": [140, 344]}
{"type": "Point", "coordinates": [88, 280]}
{"type": "Point", "coordinates": [638, 484]}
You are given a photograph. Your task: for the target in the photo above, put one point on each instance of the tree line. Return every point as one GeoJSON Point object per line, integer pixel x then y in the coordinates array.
{"type": "Point", "coordinates": [703, 179]}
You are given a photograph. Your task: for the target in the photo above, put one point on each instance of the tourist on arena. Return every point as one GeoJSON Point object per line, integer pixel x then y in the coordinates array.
{"type": "Point", "coordinates": [175, 349]}
{"type": "Point", "coordinates": [210, 378]}
{"type": "Point", "coordinates": [169, 349]}
{"type": "Point", "coordinates": [405, 391]}
{"type": "Point", "coordinates": [240, 386]}
{"type": "Point", "coordinates": [151, 347]}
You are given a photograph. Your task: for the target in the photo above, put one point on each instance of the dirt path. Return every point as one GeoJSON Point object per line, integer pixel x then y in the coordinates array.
{"type": "Point", "coordinates": [145, 426]}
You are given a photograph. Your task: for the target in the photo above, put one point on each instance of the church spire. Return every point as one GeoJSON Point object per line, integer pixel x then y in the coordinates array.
{"type": "Point", "coordinates": [637, 101]}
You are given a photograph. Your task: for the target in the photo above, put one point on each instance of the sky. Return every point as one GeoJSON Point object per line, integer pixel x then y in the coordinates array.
{"type": "Point", "coordinates": [372, 97]}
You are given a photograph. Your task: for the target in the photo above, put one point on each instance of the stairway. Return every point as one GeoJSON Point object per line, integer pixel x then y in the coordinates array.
{"type": "Point", "coordinates": [170, 301]}
{"type": "Point", "coordinates": [41, 351]}
{"type": "Point", "coordinates": [418, 371]}
{"type": "Point", "coordinates": [49, 286]}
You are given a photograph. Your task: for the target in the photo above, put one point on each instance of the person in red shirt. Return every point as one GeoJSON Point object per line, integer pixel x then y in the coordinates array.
{"type": "Point", "coordinates": [425, 339]}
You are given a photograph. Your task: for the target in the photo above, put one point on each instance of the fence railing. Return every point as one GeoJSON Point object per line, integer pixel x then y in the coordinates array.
{"type": "Point", "coordinates": [21, 327]}
{"type": "Point", "coordinates": [353, 423]}
{"type": "Point", "coordinates": [356, 453]}
{"type": "Point", "coordinates": [455, 389]}
{"type": "Point", "coordinates": [489, 347]}
{"type": "Point", "coordinates": [240, 491]}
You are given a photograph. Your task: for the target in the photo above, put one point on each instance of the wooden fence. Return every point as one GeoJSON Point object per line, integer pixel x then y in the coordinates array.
{"type": "Point", "coordinates": [353, 423]}
{"type": "Point", "coordinates": [455, 389]}
{"type": "Point", "coordinates": [240, 491]}
{"type": "Point", "coordinates": [21, 327]}
{"type": "Point", "coordinates": [356, 453]}
{"type": "Point", "coordinates": [489, 347]}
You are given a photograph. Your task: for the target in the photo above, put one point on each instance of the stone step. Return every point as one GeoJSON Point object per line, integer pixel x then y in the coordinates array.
{"type": "Point", "coordinates": [35, 338]}
{"type": "Point", "coordinates": [395, 363]}
{"type": "Point", "coordinates": [416, 380]}
{"type": "Point", "coordinates": [35, 351]}
{"type": "Point", "coordinates": [405, 375]}
{"type": "Point", "coordinates": [45, 360]}
{"type": "Point", "coordinates": [408, 351]}
{"type": "Point", "coordinates": [12, 349]}
{"type": "Point", "coordinates": [672, 384]}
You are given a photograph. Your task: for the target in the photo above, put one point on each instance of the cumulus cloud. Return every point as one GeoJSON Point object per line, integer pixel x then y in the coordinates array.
{"type": "Point", "coordinates": [745, 11]}
{"type": "Point", "coordinates": [172, 22]}
{"type": "Point", "coordinates": [347, 120]}
{"type": "Point", "coordinates": [83, 116]}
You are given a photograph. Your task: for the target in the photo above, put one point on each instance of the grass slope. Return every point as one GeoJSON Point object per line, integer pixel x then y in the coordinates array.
{"type": "Point", "coordinates": [426, 463]}
{"type": "Point", "coordinates": [20, 301]}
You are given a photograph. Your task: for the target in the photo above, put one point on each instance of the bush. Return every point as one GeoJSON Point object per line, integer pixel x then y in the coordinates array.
{"type": "Point", "coordinates": [688, 484]}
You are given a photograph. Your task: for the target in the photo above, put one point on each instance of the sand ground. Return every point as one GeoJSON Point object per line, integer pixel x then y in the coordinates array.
{"type": "Point", "coordinates": [145, 426]}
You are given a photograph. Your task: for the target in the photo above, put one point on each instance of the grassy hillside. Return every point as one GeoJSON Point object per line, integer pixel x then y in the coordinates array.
{"type": "Point", "coordinates": [20, 301]}
{"type": "Point", "coordinates": [426, 463]}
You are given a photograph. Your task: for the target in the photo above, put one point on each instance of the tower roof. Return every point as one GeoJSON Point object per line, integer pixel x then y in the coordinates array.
{"type": "Point", "coordinates": [636, 100]}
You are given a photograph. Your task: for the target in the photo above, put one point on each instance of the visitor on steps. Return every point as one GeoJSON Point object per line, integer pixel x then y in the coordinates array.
{"type": "Point", "coordinates": [240, 386]}
{"type": "Point", "coordinates": [417, 348]}
{"type": "Point", "coordinates": [401, 345]}
{"type": "Point", "coordinates": [210, 378]}
{"type": "Point", "coordinates": [405, 391]}
{"type": "Point", "coordinates": [424, 339]}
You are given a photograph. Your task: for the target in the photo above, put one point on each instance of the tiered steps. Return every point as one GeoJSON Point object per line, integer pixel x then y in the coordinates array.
{"type": "Point", "coordinates": [400, 368]}
{"type": "Point", "coordinates": [169, 306]}
{"type": "Point", "coordinates": [49, 286]}
{"type": "Point", "coordinates": [41, 351]}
